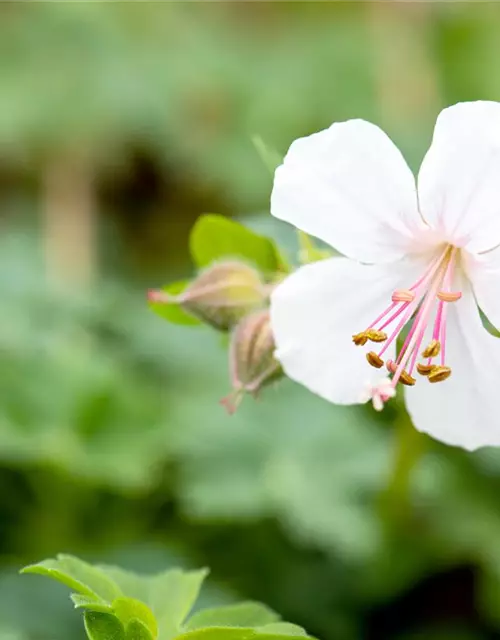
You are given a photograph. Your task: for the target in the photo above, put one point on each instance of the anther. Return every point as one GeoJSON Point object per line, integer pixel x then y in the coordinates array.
{"type": "Point", "coordinates": [432, 349]}
{"type": "Point", "coordinates": [374, 359]}
{"type": "Point", "coordinates": [449, 296]}
{"type": "Point", "coordinates": [391, 366]}
{"type": "Point", "coordinates": [425, 369]}
{"type": "Point", "coordinates": [406, 379]}
{"type": "Point", "coordinates": [375, 336]}
{"type": "Point", "coordinates": [360, 338]}
{"type": "Point", "coordinates": [439, 374]}
{"type": "Point", "coordinates": [403, 295]}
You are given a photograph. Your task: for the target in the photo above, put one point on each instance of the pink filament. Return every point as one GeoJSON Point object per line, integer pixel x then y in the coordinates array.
{"type": "Point", "coordinates": [437, 277]}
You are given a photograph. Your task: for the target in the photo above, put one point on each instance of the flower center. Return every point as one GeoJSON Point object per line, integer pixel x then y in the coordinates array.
{"type": "Point", "coordinates": [415, 305]}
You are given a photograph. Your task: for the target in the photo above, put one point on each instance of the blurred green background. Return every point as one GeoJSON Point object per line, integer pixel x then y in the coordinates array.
{"type": "Point", "coordinates": [120, 123]}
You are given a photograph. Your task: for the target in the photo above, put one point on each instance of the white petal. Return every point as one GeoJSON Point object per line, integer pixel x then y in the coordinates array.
{"type": "Point", "coordinates": [314, 314]}
{"type": "Point", "coordinates": [458, 183]}
{"type": "Point", "coordinates": [484, 272]}
{"type": "Point", "coordinates": [462, 410]}
{"type": "Point", "coordinates": [349, 186]}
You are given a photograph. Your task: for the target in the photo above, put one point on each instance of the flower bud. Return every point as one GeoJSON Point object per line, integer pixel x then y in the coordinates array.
{"type": "Point", "coordinates": [252, 364]}
{"type": "Point", "coordinates": [221, 295]}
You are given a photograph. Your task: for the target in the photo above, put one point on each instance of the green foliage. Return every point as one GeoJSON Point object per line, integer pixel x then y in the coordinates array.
{"type": "Point", "coordinates": [270, 157]}
{"type": "Point", "coordinates": [121, 605]}
{"type": "Point", "coordinates": [248, 614]}
{"type": "Point", "coordinates": [214, 237]}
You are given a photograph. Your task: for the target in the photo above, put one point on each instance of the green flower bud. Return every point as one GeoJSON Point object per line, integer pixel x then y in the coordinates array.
{"type": "Point", "coordinates": [221, 295]}
{"type": "Point", "coordinates": [252, 364]}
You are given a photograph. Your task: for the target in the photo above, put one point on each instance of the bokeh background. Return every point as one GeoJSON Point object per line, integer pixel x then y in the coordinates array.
{"type": "Point", "coordinates": [120, 123]}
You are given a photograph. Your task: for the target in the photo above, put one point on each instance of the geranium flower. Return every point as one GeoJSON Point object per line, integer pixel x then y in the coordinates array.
{"type": "Point", "coordinates": [419, 261]}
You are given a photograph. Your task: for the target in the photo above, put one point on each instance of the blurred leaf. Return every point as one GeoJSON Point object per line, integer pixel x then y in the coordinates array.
{"type": "Point", "coordinates": [214, 237]}
{"type": "Point", "coordinates": [318, 480]}
{"type": "Point", "coordinates": [309, 251]}
{"type": "Point", "coordinates": [174, 312]}
{"type": "Point", "coordinates": [245, 614]}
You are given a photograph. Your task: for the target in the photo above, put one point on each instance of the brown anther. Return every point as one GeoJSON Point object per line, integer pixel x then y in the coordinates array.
{"type": "Point", "coordinates": [360, 338]}
{"type": "Point", "coordinates": [374, 359]}
{"type": "Point", "coordinates": [449, 296]}
{"type": "Point", "coordinates": [391, 366]}
{"type": "Point", "coordinates": [403, 295]}
{"type": "Point", "coordinates": [425, 369]}
{"type": "Point", "coordinates": [432, 349]}
{"type": "Point", "coordinates": [439, 374]}
{"type": "Point", "coordinates": [406, 379]}
{"type": "Point", "coordinates": [375, 336]}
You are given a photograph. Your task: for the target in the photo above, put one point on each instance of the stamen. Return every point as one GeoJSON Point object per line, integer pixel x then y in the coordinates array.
{"type": "Point", "coordinates": [403, 295]}
{"type": "Point", "coordinates": [400, 325]}
{"type": "Point", "coordinates": [432, 350]}
{"type": "Point", "coordinates": [397, 313]}
{"type": "Point", "coordinates": [417, 302]}
{"type": "Point", "coordinates": [449, 296]}
{"type": "Point", "coordinates": [439, 374]}
{"type": "Point", "coordinates": [376, 336]}
{"type": "Point", "coordinates": [406, 379]}
{"type": "Point", "coordinates": [360, 338]}
{"type": "Point", "coordinates": [375, 360]}
{"type": "Point", "coordinates": [425, 369]}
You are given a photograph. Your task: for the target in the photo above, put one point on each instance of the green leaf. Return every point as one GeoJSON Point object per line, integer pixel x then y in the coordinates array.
{"type": "Point", "coordinates": [218, 633]}
{"type": "Point", "coordinates": [245, 614]}
{"type": "Point", "coordinates": [279, 635]}
{"type": "Point", "coordinates": [128, 609]}
{"type": "Point", "coordinates": [170, 595]}
{"type": "Point", "coordinates": [136, 630]}
{"type": "Point", "coordinates": [270, 157]}
{"type": "Point", "coordinates": [103, 626]}
{"type": "Point", "coordinates": [275, 631]}
{"type": "Point", "coordinates": [174, 312]}
{"type": "Point", "coordinates": [281, 628]}
{"type": "Point", "coordinates": [90, 602]}
{"type": "Point", "coordinates": [78, 575]}
{"type": "Point", "coordinates": [214, 237]}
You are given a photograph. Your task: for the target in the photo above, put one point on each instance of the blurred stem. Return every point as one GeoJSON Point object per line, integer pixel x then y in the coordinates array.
{"type": "Point", "coordinates": [409, 446]}
{"type": "Point", "coordinates": [69, 219]}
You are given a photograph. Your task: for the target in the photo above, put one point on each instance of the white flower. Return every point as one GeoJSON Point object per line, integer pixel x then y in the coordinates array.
{"type": "Point", "coordinates": [419, 261]}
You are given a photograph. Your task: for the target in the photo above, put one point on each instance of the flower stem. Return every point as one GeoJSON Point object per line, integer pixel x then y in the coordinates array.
{"type": "Point", "coordinates": [409, 445]}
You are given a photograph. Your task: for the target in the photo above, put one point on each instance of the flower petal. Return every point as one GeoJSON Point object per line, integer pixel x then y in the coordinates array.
{"type": "Point", "coordinates": [458, 185]}
{"type": "Point", "coordinates": [314, 314]}
{"type": "Point", "coordinates": [483, 271]}
{"type": "Point", "coordinates": [349, 186]}
{"type": "Point", "coordinates": [462, 410]}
